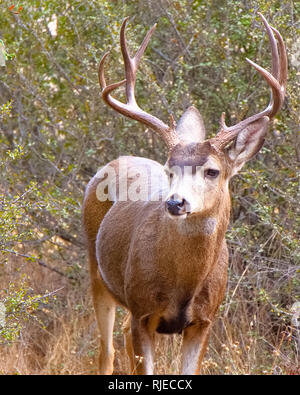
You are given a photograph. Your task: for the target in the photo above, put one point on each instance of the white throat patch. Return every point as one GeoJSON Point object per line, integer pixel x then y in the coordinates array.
{"type": "Point", "coordinates": [194, 226]}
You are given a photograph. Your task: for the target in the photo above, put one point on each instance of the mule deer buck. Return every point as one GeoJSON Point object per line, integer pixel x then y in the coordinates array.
{"type": "Point", "coordinates": [163, 256]}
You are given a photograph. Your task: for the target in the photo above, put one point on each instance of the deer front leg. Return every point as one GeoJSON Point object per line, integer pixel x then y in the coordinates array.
{"type": "Point", "coordinates": [128, 341]}
{"type": "Point", "coordinates": [104, 306]}
{"type": "Point", "coordinates": [195, 340]}
{"type": "Point", "coordinates": [143, 346]}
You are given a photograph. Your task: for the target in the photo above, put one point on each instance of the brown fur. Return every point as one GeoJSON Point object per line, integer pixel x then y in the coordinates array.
{"type": "Point", "coordinates": [192, 154]}
{"type": "Point", "coordinates": [166, 280]}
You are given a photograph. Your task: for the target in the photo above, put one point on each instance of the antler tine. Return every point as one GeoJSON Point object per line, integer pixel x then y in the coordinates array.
{"type": "Point", "coordinates": [276, 98]}
{"type": "Point", "coordinates": [102, 82]}
{"type": "Point", "coordinates": [273, 44]}
{"type": "Point", "coordinates": [283, 61]}
{"type": "Point", "coordinates": [131, 64]}
{"type": "Point", "coordinates": [276, 80]}
{"type": "Point", "coordinates": [131, 108]}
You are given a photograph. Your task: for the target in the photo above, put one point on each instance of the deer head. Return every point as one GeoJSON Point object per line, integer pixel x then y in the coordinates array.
{"type": "Point", "coordinates": [200, 168]}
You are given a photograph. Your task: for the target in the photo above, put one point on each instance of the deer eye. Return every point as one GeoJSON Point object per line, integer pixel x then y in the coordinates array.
{"type": "Point", "coordinates": [212, 173]}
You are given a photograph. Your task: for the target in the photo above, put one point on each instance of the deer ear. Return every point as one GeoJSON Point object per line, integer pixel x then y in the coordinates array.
{"type": "Point", "coordinates": [190, 126]}
{"type": "Point", "coordinates": [248, 142]}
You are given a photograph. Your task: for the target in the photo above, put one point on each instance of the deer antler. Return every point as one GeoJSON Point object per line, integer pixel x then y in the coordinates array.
{"type": "Point", "coordinates": [277, 82]}
{"type": "Point", "coordinates": [131, 108]}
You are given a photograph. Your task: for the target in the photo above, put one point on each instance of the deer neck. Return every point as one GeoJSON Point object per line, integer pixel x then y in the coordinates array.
{"type": "Point", "coordinates": [192, 245]}
{"type": "Point", "coordinates": [195, 226]}
{"type": "Point", "coordinates": [207, 225]}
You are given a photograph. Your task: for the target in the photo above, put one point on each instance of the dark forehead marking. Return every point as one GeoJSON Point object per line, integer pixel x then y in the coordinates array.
{"type": "Point", "coordinates": [193, 154]}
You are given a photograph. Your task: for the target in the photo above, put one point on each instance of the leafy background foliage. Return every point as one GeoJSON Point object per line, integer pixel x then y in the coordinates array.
{"type": "Point", "coordinates": [56, 132]}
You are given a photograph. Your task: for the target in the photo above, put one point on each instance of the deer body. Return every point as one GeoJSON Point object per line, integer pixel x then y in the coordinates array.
{"type": "Point", "coordinates": [161, 251]}
{"type": "Point", "coordinates": [173, 254]}
{"type": "Point", "coordinates": [184, 273]}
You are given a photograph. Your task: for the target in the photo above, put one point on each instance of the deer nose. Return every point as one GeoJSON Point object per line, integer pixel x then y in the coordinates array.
{"type": "Point", "coordinates": [176, 206]}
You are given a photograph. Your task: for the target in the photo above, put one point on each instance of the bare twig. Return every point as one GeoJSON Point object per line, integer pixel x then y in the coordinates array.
{"type": "Point", "coordinates": [41, 263]}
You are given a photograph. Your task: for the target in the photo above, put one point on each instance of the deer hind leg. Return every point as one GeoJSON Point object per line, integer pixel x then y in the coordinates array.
{"type": "Point", "coordinates": [195, 341]}
{"type": "Point", "coordinates": [140, 344]}
{"type": "Point", "coordinates": [104, 306]}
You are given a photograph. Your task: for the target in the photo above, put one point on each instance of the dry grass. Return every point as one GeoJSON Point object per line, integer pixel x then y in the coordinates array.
{"type": "Point", "coordinates": [68, 343]}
